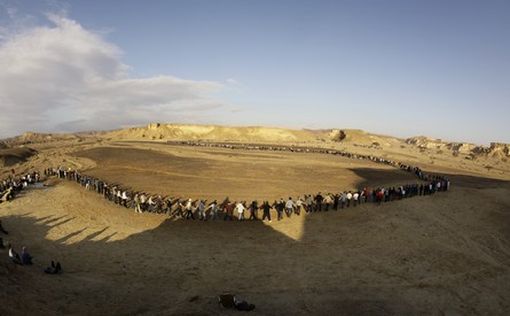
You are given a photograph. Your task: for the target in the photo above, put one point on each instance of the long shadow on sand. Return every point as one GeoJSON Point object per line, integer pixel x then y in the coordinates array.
{"type": "Point", "coordinates": [367, 260]}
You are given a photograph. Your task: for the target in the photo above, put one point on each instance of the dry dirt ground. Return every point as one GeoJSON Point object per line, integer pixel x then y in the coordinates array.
{"type": "Point", "coordinates": [443, 255]}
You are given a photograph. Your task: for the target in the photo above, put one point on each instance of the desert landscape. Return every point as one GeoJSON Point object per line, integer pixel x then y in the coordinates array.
{"type": "Point", "coordinates": [254, 157]}
{"type": "Point", "coordinates": [446, 254]}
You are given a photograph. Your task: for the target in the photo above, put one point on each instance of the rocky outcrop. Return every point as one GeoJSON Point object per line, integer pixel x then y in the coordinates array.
{"type": "Point", "coordinates": [472, 151]}
{"type": "Point", "coordinates": [337, 135]}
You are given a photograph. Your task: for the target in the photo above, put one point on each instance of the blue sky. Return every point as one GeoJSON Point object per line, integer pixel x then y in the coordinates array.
{"type": "Point", "coordinates": [404, 68]}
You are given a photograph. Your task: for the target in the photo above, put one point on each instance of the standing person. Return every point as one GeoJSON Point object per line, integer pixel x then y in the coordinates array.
{"type": "Point", "coordinates": [125, 198]}
{"type": "Point", "coordinates": [308, 203]}
{"type": "Point", "coordinates": [118, 199]}
{"type": "Point", "coordinates": [355, 198]}
{"type": "Point", "coordinates": [266, 209]}
{"type": "Point", "coordinates": [279, 206]}
{"type": "Point", "coordinates": [213, 210]}
{"type": "Point", "coordinates": [136, 200]}
{"type": "Point", "coordinates": [143, 201]}
{"type": "Point", "coordinates": [318, 202]}
{"type": "Point", "coordinates": [343, 199]}
{"type": "Point", "coordinates": [188, 209]}
{"type": "Point", "coordinates": [229, 211]}
{"type": "Point", "coordinates": [178, 209]}
{"type": "Point", "coordinates": [349, 198]}
{"type": "Point", "coordinates": [327, 202]}
{"type": "Point", "coordinates": [289, 207]}
{"type": "Point", "coordinates": [253, 210]}
{"type": "Point", "coordinates": [240, 211]}
{"type": "Point", "coordinates": [201, 210]}
{"type": "Point", "coordinates": [151, 204]}
{"type": "Point", "coordinates": [380, 195]}
{"type": "Point", "coordinates": [299, 205]}
{"type": "Point", "coordinates": [336, 198]}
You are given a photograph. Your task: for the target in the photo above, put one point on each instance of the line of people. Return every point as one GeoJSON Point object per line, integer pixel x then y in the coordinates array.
{"type": "Point", "coordinates": [297, 149]}
{"type": "Point", "coordinates": [12, 185]}
{"type": "Point", "coordinates": [228, 210]}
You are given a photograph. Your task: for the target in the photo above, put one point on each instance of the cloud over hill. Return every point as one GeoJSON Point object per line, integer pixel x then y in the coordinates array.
{"type": "Point", "coordinates": [65, 77]}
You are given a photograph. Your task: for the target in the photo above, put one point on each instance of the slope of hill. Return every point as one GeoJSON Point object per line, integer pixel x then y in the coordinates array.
{"type": "Point", "coordinates": [37, 138]}
{"type": "Point", "coordinates": [12, 156]}
{"type": "Point", "coordinates": [157, 131]}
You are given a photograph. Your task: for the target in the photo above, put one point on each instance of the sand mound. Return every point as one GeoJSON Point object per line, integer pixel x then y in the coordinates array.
{"type": "Point", "coordinates": [12, 156]}
{"type": "Point", "coordinates": [157, 131]}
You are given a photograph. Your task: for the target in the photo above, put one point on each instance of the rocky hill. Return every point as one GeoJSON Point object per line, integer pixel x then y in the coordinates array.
{"type": "Point", "coordinates": [37, 138]}
{"type": "Point", "coordinates": [471, 151]}
{"type": "Point", "coordinates": [157, 131]}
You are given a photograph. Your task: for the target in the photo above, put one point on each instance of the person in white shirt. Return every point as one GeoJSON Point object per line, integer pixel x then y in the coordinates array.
{"type": "Point", "coordinates": [143, 201]}
{"type": "Point", "coordinates": [124, 198]}
{"type": "Point", "coordinates": [355, 198]}
{"type": "Point", "coordinates": [349, 198]}
{"type": "Point", "coordinates": [119, 197]}
{"type": "Point", "coordinates": [213, 210]}
{"type": "Point", "coordinates": [328, 200]}
{"type": "Point", "coordinates": [188, 209]}
{"type": "Point", "coordinates": [289, 207]}
{"type": "Point", "coordinates": [299, 206]}
{"type": "Point", "coordinates": [240, 211]}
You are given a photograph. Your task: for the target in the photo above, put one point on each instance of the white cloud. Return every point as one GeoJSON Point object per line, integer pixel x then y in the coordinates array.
{"type": "Point", "coordinates": [66, 77]}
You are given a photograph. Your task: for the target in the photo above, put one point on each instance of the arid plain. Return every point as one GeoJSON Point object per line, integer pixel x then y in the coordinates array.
{"type": "Point", "coordinates": [447, 254]}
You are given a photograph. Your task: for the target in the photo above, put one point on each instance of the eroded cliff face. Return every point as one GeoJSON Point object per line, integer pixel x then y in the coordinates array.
{"type": "Point", "coordinates": [495, 150]}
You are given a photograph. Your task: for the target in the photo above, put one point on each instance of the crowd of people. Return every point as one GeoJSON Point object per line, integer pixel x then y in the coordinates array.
{"type": "Point", "coordinates": [294, 149]}
{"type": "Point", "coordinates": [228, 210]}
{"type": "Point", "coordinates": [14, 184]}
{"type": "Point", "coordinates": [9, 189]}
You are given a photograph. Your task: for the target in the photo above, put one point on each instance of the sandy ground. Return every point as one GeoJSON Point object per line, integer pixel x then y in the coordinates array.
{"type": "Point", "coordinates": [217, 173]}
{"type": "Point", "coordinates": [442, 255]}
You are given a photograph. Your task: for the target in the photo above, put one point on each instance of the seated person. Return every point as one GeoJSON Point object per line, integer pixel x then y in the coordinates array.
{"type": "Point", "coordinates": [13, 255]}
{"type": "Point", "coordinates": [231, 301]}
{"type": "Point", "coordinates": [26, 258]}
{"type": "Point", "coordinates": [54, 268]}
